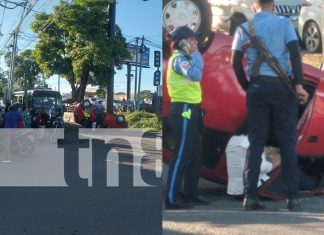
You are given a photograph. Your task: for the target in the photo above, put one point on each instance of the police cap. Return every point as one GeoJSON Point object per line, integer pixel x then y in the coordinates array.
{"type": "Point", "coordinates": [183, 32]}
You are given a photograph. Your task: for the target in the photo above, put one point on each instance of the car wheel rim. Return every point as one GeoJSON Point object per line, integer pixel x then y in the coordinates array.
{"type": "Point", "coordinates": [179, 13]}
{"type": "Point", "coordinates": [312, 38]}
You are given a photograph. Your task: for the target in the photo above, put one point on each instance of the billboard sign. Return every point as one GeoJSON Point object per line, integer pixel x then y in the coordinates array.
{"type": "Point", "coordinates": [145, 56]}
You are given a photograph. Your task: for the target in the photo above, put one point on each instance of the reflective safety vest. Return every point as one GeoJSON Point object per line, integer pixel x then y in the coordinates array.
{"type": "Point", "coordinates": [181, 88]}
{"type": "Point", "coordinates": [86, 114]}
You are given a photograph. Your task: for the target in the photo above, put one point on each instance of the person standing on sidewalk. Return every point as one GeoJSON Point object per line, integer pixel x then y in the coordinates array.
{"type": "Point", "coordinates": [270, 103]}
{"type": "Point", "coordinates": [183, 82]}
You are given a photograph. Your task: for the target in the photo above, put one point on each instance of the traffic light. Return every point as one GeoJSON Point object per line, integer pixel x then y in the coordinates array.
{"type": "Point", "coordinates": [157, 58]}
{"type": "Point", "coordinates": [157, 78]}
{"type": "Point", "coordinates": [143, 49]}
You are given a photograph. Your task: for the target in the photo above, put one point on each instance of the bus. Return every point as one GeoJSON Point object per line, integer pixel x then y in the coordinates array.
{"type": "Point", "coordinates": [39, 99]}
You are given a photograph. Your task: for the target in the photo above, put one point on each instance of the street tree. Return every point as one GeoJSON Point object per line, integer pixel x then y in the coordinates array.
{"type": "Point", "coordinates": [74, 44]}
{"type": "Point", "coordinates": [3, 80]}
{"type": "Point", "coordinates": [26, 69]}
{"type": "Point", "coordinates": [145, 94]}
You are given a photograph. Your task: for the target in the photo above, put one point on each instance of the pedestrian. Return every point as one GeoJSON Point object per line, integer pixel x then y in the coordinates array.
{"type": "Point", "coordinates": [27, 117]}
{"type": "Point", "coordinates": [99, 113]}
{"type": "Point", "coordinates": [270, 103]}
{"type": "Point", "coordinates": [12, 119]}
{"type": "Point", "coordinates": [183, 82]}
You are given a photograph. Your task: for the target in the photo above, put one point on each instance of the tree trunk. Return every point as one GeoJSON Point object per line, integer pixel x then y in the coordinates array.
{"type": "Point", "coordinates": [83, 85]}
{"type": "Point", "coordinates": [74, 88]}
{"type": "Point", "coordinates": [82, 89]}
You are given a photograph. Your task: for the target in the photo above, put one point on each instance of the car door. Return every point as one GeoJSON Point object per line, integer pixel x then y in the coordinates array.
{"type": "Point", "coordinates": [310, 138]}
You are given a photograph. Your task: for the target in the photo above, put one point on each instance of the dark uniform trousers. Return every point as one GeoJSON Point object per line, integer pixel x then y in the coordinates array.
{"type": "Point", "coordinates": [270, 104]}
{"type": "Point", "coordinates": [186, 157]}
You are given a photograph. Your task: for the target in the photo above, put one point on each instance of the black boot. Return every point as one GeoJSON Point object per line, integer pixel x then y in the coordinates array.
{"type": "Point", "coordinates": [199, 200]}
{"type": "Point", "coordinates": [178, 205]}
{"type": "Point", "coordinates": [252, 204]}
{"type": "Point", "coordinates": [293, 204]}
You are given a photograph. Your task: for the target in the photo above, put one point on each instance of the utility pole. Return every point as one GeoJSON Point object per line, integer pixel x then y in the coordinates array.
{"type": "Point", "coordinates": [58, 83]}
{"type": "Point", "coordinates": [15, 46]}
{"type": "Point", "coordinates": [135, 89]}
{"type": "Point", "coordinates": [142, 50]}
{"type": "Point", "coordinates": [25, 103]}
{"type": "Point", "coordinates": [12, 64]}
{"type": "Point", "coordinates": [129, 68]}
{"type": "Point", "coordinates": [111, 71]}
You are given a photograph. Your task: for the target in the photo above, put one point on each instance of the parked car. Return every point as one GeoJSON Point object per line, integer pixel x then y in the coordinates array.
{"type": "Point", "coordinates": [117, 105]}
{"type": "Point", "coordinates": [224, 9]}
{"type": "Point", "coordinates": [310, 25]}
{"type": "Point", "coordinates": [208, 16]}
{"type": "Point", "coordinates": [224, 104]}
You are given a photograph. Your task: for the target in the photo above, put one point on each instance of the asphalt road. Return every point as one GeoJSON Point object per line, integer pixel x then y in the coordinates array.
{"type": "Point", "coordinates": [224, 216]}
{"type": "Point", "coordinates": [78, 209]}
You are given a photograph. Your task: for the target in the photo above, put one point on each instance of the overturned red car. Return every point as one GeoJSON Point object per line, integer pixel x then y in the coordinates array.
{"type": "Point", "coordinates": [85, 115]}
{"type": "Point", "coordinates": [225, 109]}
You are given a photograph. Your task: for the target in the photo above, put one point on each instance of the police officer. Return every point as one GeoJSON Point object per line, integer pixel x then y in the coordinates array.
{"type": "Point", "coordinates": [269, 101]}
{"type": "Point", "coordinates": [183, 82]}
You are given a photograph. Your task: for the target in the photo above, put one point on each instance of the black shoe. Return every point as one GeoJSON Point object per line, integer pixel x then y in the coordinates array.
{"type": "Point", "coordinates": [293, 204]}
{"type": "Point", "coordinates": [200, 200]}
{"type": "Point", "coordinates": [178, 206]}
{"type": "Point", "coordinates": [252, 204]}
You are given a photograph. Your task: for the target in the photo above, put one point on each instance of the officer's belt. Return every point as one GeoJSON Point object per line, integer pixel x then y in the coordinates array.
{"type": "Point", "coordinates": [181, 103]}
{"type": "Point", "coordinates": [265, 78]}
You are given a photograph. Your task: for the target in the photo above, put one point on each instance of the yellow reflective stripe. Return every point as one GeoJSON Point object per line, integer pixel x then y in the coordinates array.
{"type": "Point", "coordinates": [186, 114]}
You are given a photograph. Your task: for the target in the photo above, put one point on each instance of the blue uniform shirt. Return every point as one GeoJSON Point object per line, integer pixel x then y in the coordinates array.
{"type": "Point", "coordinates": [275, 32]}
{"type": "Point", "coordinates": [189, 67]}
{"type": "Point", "coordinates": [12, 119]}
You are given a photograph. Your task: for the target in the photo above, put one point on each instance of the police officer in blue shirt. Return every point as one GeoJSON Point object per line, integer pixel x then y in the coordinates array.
{"type": "Point", "coordinates": [183, 82]}
{"type": "Point", "coordinates": [269, 101]}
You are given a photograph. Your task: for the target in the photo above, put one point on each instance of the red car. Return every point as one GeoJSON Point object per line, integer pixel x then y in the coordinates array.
{"type": "Point", "coordinates": [225, 110]}
{"type": "Point", "coordinates": [109, 120]}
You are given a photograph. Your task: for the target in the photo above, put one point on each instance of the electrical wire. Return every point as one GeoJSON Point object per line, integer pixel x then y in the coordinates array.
{"type": "Point", "coordinates": [4, 10]}
{"type": "Point", "coordinates": [25, 24]}
{"type": "Point", "coordinates": [47, 24]}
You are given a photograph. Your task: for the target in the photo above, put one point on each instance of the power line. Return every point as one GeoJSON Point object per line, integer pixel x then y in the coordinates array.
{"type": "Point", "coordinates": [21, 4]}
{"type": "Point", "coordinates": [37, 11]}
{"type": "Point", "coordinates": [46, 25]}
{"type": "Point", "coordinates": [4, 10]}
{"type": "Point", "coordinates": [26, 10]}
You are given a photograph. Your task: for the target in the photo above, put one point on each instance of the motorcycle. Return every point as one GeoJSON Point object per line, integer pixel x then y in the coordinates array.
{"type": "Point", "coordinates": [57, 124]}
{"type": "Point", "coordinates": [22, 143]}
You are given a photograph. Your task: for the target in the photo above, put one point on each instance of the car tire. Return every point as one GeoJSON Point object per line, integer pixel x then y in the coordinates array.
{"type": "Point", "coordinates": [236, 20]}
{"type": "Point", "coordinates": [204, 27]}
{"type": "Point", "coordinates": [312, 38]}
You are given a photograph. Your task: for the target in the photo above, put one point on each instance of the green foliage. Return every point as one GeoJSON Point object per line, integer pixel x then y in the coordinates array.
{"type": "Point", "coordinates": [3, 80]}
{"type": "Point", "coordinates": [144, 120]}
{"type": "Point", "coordinates": [145, 94]}
{"type": "Point", "coordinates": [101, 92]}
{"type": "Point", "coordinates": [75, 45]}
{"type": "Point", "coordinates": [27, 68]}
